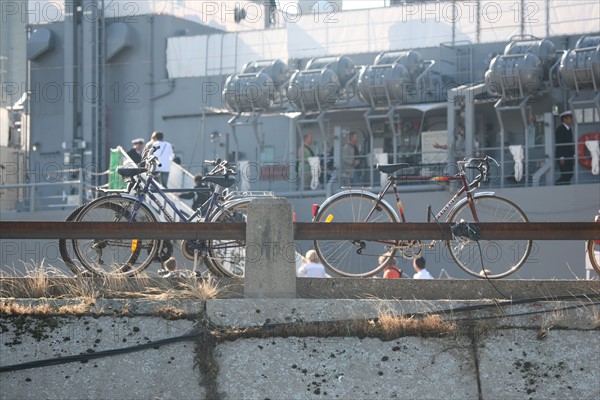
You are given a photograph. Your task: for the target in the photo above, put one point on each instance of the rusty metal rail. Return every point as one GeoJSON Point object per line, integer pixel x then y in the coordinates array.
{"type": "Point", "coordinates": [302, 230]}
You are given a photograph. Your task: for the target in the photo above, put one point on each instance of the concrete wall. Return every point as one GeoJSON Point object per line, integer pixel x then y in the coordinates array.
{"type": "Point", "coordinates": [545, 350]}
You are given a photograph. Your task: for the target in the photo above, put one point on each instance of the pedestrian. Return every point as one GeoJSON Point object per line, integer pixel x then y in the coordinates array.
{"type": "Point", "coordinates": [390, 271]}
{"type": "Point", "coordinates": [565, 148]}
{"type": "Point", "coordinates": [164, 153]}
{"type": "Point", "coordinates": [135, 153]}
{"type": "Point", "coordinates": [199, 196]}
{"type": "Point", "coordinates": [302, 165]}
{"type": "Point", "coordinates": [421, 271]}
{"type": "Point", "coordinates": [313, 267]}
{"type": "Point", "coordinates": [351, 161]}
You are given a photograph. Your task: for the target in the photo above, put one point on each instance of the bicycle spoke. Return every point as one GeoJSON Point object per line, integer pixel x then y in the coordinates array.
{"type": "Point", "coordinates": [501, 257]}
{"type": "Point", "coordinates": [228, 257]}
{"type": "Point", "coordinates": [354, 257]}
{"type": "Point", "coordinates": [115, 256]}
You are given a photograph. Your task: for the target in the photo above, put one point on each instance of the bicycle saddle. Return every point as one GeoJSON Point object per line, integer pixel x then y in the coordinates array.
{"type": "Point", "coordinates": [129, 172]}
{"type": "Point", "coordinates": [219, 180]}
{"type": "Point", "coordinates": [391, 168]}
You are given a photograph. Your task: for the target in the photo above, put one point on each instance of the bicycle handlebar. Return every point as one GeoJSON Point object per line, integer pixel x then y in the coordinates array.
{"type": "Point", "coordinates": [150, 159]}
{"type": "Point", "coordinates": [220, 167]}
{"type": "Point", "coordinates": [478, 163]}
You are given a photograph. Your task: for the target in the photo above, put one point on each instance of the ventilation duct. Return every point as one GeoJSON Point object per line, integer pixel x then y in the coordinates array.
{"type": "Point", "coordinates": [118, 37]}
{"type": "Point", "coordinates": [40, 41]}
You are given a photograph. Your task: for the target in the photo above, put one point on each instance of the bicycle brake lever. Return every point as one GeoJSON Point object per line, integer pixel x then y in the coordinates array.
{"type": "Point", "coordinates": [493, 159]}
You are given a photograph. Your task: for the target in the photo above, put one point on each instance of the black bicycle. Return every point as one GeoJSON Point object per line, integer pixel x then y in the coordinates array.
{"type": "Point", "coordinates": [145, 201]}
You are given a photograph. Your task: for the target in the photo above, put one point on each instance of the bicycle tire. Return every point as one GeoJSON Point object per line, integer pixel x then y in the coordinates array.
{"type": "Point", "coordinates": [501, 257]}
{"type": "Point", "coordinates": [227, 258]}
{"type": "Point", "coordinates": [63, 249]}
{"type": "Point", "coordinates": [125, 257]}
{"type": "Point", "coordinates": [592, 248]}
{"type": "Point", "coordinates": [354, 258]}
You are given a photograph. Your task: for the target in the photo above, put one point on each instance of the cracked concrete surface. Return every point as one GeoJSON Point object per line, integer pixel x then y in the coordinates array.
{"type": "Point", "coordinates": [537, 350]}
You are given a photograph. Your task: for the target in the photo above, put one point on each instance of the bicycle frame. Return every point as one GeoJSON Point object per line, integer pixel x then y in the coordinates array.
{"type": "Point", "coordinates": [150, 187]}
{"type": "Point", "coordinates": [467, 188]}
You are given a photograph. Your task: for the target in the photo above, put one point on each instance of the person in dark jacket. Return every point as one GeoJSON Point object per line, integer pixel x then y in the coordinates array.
{"type": "Point", "coordinates": [199, 197]}
{"type": "Point", "coordinates": [135, 153]}
{"type": "Point", "coordinates": [565, 148]}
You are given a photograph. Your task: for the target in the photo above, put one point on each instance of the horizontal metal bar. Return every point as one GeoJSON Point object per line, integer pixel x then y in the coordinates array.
{"type": "Point", "coordinates": [38, 184]}
{"type": "Point", "coordinates": [122, 230]}
{"type": "Point", "coordinates": [441, 231]}
{"type": "Point", "coordinates": [302, 230]}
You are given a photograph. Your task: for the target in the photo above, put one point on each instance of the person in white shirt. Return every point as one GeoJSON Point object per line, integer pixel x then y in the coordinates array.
{"type": "Point", "coordinates": [421, 272]}
{"type": "Point", "coordinates": [164, 153]}
{"type": "Point", "coordinates": [313, 267]}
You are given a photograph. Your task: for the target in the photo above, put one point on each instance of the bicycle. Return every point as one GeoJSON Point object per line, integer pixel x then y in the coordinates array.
{"type": "Point", "coordinates": [131, 256]}
{"type": "Point", "coordinates": [593, 250]}
{"type": "Point", "coordinates": [359, 258]}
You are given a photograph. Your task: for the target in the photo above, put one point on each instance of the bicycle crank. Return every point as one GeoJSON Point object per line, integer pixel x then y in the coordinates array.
{"type": "Point", "coordinates": [190, 247]}
{"type": "Point", "coordinates": [165, 251]}
{"type": "Point", "coordinates": [409, 249]}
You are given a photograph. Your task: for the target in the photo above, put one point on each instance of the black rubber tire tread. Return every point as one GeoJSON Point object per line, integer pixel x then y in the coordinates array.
{"type": "Point", "coordinates": [62, 244]}
{"type": "Point", "coordinates": [214, 261]}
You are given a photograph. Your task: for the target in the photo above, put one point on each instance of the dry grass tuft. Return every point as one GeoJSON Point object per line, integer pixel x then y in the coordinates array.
{"type": "Point", "coordinates": [11, 308]}
{"type": "Point", "coordinates": [38, 284]}
{"type": "Point", "coordinates": [187, 288]}
{"type": "Point", "coordinates": [393, 326]}
{"type": "Point", "coordinates": [75, 309]}
{"type": "Point", "coordinates": [38, 281]}
{"type": "Point", "coordinates": [171, 313]}
{"type": "Point", "coordinates": [33, 283]}
{"type": "Point", "coordinates": [200, 288]}
{"type": "Point", "coordinates": [81, 288]}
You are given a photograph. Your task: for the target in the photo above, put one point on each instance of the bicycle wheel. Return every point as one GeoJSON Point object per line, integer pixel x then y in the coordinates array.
{"type": "Point", "coordinates": [115, 256]}
{"type": "Point", "coordinates": [593, 250]}
{"type": "Point", "coordinates": [354, 258]}
{"type": "Point", "coordinates": [228, 257]}
{"type": "Point", "coordinates": [65, 251]}
{"type": "Point", "coordinates": [499, 258]}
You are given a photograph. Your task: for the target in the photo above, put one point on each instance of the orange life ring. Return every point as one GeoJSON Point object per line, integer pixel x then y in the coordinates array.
{"type": "Point", "coordinates": [585, 159]}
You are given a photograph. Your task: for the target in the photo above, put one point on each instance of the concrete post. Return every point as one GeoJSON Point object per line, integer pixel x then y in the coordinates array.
{"type": "Point", "coordinates": [270, 250]}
